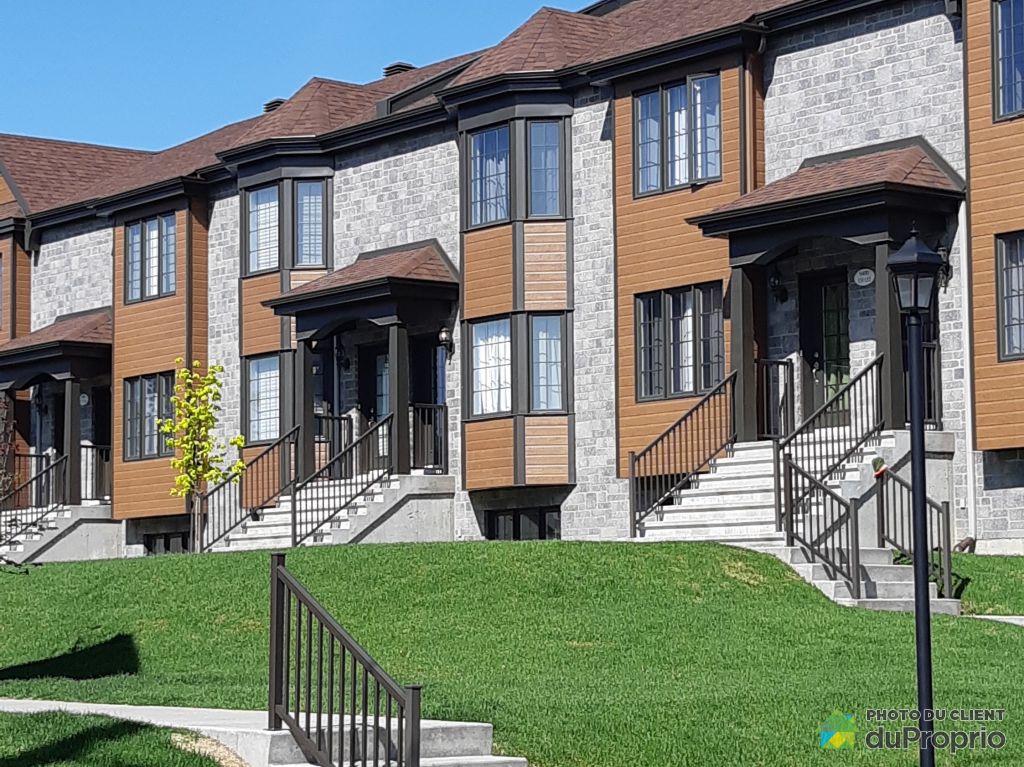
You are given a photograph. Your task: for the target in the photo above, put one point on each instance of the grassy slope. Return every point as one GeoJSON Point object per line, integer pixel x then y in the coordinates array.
{"type": "Point", "coordinates": [581, 654]}
{"type": "Point", "coordinates": [996, 584]}
{"type": "Point", "coordinates": [59, 740]}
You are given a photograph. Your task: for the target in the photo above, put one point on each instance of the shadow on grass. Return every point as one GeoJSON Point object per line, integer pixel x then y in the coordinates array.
{"type": "Point", "coordinates": [116, 655]}
{"type": "Point", "coordinates": [67, 749]}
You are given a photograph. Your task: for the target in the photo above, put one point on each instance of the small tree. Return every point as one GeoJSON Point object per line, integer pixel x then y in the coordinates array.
{"type": "Point", "coordinates": [199, 458]}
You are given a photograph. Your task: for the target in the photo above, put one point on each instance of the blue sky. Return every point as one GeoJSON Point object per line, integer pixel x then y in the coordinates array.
{"type": "Point", "coordinates": [149, 75]}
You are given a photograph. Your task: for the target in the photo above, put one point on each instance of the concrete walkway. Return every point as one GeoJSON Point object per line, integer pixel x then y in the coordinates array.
{"type": "Point", "coordinates": [1016, 620]}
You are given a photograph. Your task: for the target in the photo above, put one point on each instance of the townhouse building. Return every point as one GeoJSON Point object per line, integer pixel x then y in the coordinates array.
{"type": "Point", "coordinates": [546, 289]}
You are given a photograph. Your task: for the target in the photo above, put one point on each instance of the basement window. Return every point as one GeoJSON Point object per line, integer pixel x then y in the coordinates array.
{"type": "Point", "coordinates": [543, 524]}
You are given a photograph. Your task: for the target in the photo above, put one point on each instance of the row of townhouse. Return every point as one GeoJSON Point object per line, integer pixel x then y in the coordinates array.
{"type": "Point", "coordinates": [498, 279]}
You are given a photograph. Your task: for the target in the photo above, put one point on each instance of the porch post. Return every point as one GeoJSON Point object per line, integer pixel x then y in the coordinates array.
{"type": "Point", "coordinates": [741, 323]}
{"type": "Point", "coordinates": [73, 441]}
{"type": "Point", "coordinates": [306, 453]}
{"type": "Point", "coordinates": [398, 396]}
{"type": "Point", "coordinates": [889, 341]}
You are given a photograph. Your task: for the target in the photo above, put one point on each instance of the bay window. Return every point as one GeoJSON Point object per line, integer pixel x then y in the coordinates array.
{"type": "Point", "coordinates": [678, 135]}
{"type": "Point", "coordinates": [309, 223]}
{"type": "Point", "coordinates": [147, 401]}
{"type": "Point", "coordinates": [1009, 53]}
{"type": "Point", "coordinates": [263, 379]}
{"type": "Point", "coordinates": [263, 231]}
{"type": "Point", "coordinates": [150, 258]}
{"type": "Point", "coordinates": [545, 150]}
{"type": "Point", "coordinates": [680, 341]}
{"type": "Point", "coordinates": [546, 362]}
{"type": "Point", "coordinates": [491, 368]}
{"type": "Point", "coordinates": [489, 176]}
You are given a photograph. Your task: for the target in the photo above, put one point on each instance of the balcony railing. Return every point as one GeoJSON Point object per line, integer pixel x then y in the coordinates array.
{"type": "Point", "coordinates": [429, 424]}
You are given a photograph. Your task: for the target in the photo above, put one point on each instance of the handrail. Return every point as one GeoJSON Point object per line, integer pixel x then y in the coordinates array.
{"type": "Point", "coordinates": [263, 479]}
{"type": "Point", "coordinates": [45, 492]}
{"type": "Point", "coordinates": [824, 523]}
{"type": "Point", "coordinates": [319, 673]}
{"type": "Point", "coordinates": [894, 506]}
{"type": "Point", "coordinates": [342, 480]}
{"type": "Point", "coordinates": [775, 398]}
{"type": "Point", "coordinates": [857, 408]}
{"type": "Point", "coordinates": [682, 451]}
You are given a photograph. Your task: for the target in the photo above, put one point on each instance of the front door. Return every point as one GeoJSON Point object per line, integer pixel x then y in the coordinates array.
{"type": "Point", "coordinates": [824, 338]}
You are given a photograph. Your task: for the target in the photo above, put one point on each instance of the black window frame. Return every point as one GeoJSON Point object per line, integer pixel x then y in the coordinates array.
{"type": "Point", "coordinates": [165, 390]}
{"type": "Point", "coordinates": [564, 372]}
{"type": "Point", "coordinates": [469, 326]}
{"type": "Point", "coordinates": [664, 298]}
{"type": "Point", "coordinates": [246, 254]}
{"type": "Point", "coordinates": [324, 219]}
{"type": "Point", "coordinates": [559, 124]}
{"type": "Point", "coordinates": [516, 517]}
{"type": "Point", "coordinates": [663, 162]}
{"type": "Point", "coordinates": [510, 174]}
{"type": "Point", "coordinates": [997, 58]}
{"type": "Point", "coordinates": [246, 398]}
{"type": "Point", "coordinates": [1005, 355]}
{"type": "Point", "coordinates": [144, 258]}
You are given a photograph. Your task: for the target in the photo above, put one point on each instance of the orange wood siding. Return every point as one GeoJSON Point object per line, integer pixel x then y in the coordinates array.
{"type": "Point", "coordinates": [544, 266]}
{"type": "Point", "coordinates": [148, 337]}
{"type": "Point", "coordinates": [23, 288]}
{"type": "Point", "coordinates": [487, 272]}
{"type": "Point", "coordinates": [996, 151]}
{"type": "Point", "coordinates": [489, 454]}
{"type": "Point", "coordinates": [656, 249]}
{"type": "Point", "coordinates": [200, 280]}
{"type": "Point", "coordinates": [547, 450]}
{"type": "Point", "coordinates": [6, 285]}
{"type": "Point", "coordinates": [261, 329]}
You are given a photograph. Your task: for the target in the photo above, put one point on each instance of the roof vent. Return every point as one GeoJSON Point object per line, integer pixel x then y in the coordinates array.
{"type": "Point", "coordinates": [397, 68]}
{"type": "Point", "coordinates": [273, 104]}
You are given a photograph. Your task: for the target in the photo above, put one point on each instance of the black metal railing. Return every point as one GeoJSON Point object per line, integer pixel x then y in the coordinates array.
{"type": "Point", "coordinates": [776, 398]}
{"type": "Point", "coordinates": [339, 704]}
{"type": "Point", "coordinates": [824, 523]}
{"type": "Point", "coordinates": [825, 441]}
{"type": "Point", "coordinates": [429, 424]}
{"type": "Point", "coordinates": [332, 434]}
{"type": "Point", "coordinates": [342, 480]}
{"type": "Point", "coordinates": [24, 466]}
{"type": "Point", "coordinates": [894, 504]}
{"type": "Point", "coordinates": [684, 450]}
{"type": "Point", "coordinates": [932, 385]}
{"type": "Point", "coordinates": [25, 506]}
{"type": "Point", "coordinates": [263, 480]}
{"type": "Point", "coordinates": [96, 473]}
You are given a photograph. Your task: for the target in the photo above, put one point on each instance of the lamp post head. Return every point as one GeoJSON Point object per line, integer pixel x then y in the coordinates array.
{"type": "Point", "coordinates": [914, 268]}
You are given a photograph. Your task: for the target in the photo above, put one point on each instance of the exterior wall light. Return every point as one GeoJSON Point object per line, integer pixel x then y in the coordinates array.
{"type": "Point", "coordinates": [777, 288]}
{"type": "Point", "coordinates": [444, 337]}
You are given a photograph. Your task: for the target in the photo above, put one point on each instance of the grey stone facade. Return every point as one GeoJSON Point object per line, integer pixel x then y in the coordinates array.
{"type": "Point", "coordinates": [222, 336]}
{"type": "Point", "coordinates": [875, 77]}
{"type": "Point", "coordinates": [72, 271]}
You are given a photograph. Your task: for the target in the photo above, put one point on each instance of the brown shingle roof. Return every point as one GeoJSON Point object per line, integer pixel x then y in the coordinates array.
{"type": "Point", "coordinates": [904, 165]}
{"type": "Point", "coordinates": [93, 327]}
{"type": "Point", "coordinates": [51, 174]}
{"type": "Point", "coordinates": [416, 261]}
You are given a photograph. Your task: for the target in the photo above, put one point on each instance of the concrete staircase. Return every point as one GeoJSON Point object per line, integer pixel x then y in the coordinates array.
{"type": "Point", "coordinates": [67, 533]}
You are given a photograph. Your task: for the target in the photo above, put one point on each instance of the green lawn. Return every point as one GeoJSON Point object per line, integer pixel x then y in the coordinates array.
{"type": "Point", "coordinates": [580, 654]}
{"type": "Point", "coordinates": [59, 740]}
{"type": "Point", "coordinates": [995, 586]}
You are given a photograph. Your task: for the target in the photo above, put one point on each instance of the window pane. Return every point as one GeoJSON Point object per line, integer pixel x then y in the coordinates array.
{"type": "Point", "coordinates": [151, 258]}
{"type": "Point", "coordinates": [707, 130]}
{"type": "Point", "coordinates": [309, 223]}
{"type": "Point", "coordinates": [712, 337]}
{"type": "Point", "coordinates": [681, 325]}
{"type": "Point", "coordinates": [132, 424]}
{"type": "Point", "coordinates": [133, 265]}
{"type": "Point", "coordinates": [488, 185]}
{"type": "Point", "coordinates": [167, 260]}
{"type": "Point", "coordinates": [545, 151]}
{"type": "Point", "coordinates": [264, 409]}
{"type": "Point", "coordinates": [383, 373]}
{"type": "Point", "coordinates": [166, 407]}
{"type": "Point", "coordinates": [263, 231]}
{"type": "Point", "coordinates": [150, 414]}
{"type": "Point", "coordinates": [678, 137]}
{"type": "Point", "coordinates": [648, 142]}
{"type": "Point", "coordinates": [546, 362]}
{"type": "Point", "coordinates": [1012, 284]}
{"type": "Point", "coordinates": [651, 357]}
{"type": "Point", "coordinates": [1010, 55]}
{"type": "Point", "coordinates": [491, 367]}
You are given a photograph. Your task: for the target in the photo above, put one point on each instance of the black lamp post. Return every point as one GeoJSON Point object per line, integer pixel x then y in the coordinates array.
{"type": "Point", "coordinates": [915, 268]}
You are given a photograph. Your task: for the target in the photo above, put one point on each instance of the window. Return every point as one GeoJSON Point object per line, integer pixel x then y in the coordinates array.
{"type": "Point", "coordinates": [678, 134]}
{"type": "Point", "coordinates": [150, 258]}
{"type": "Point", "coordinates": [525, 525]}
{"type": "Point", "coordinates": [1009, 48]}
{"type": "Point", "coordinates": [264, 398]}
{"type": "Point", "coordinates": [1011, 296]}
{"type": "Point", "coordinates": [546, 362]}
{"type": "Point", "coordinates": [147, 401]}
{"type": "Point", "coordinates": [491, 385]}
{"type": "Point", "coordinates": [488, 183]}
{"type": "Point", "coordinates": [545, 162]}
{"type": "Point", "coordinates": [309, 223]}
{"type": "Point", "coordinates": [680, 341]}
{"type": "Point", "coordinates": [263, 229]}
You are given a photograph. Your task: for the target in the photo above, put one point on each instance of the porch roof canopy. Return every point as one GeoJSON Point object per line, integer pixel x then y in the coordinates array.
{"type": "Point", "coordinates": [73, 346]}
{"type": "Point", "coordinates": [868, 195]}
{"type": "Point", "coordinates": [405, 283]}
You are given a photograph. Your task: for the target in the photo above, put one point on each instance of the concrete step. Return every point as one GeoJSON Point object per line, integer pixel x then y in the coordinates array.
{"type": "Point", "coordinates": [726, 496]}
{"type": "Point", "coordinates": [839, 590]}
{"type": "Point", "coordinates": [796, 555]}
{"type": "Point", "coordinates": [875, 573]}
{"type": "Point", "coordinates": [941, 606]}
{"type": "Point", "coordinates": [699, 514]}
{"type": "Point", "coordinates": [745, 536]}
